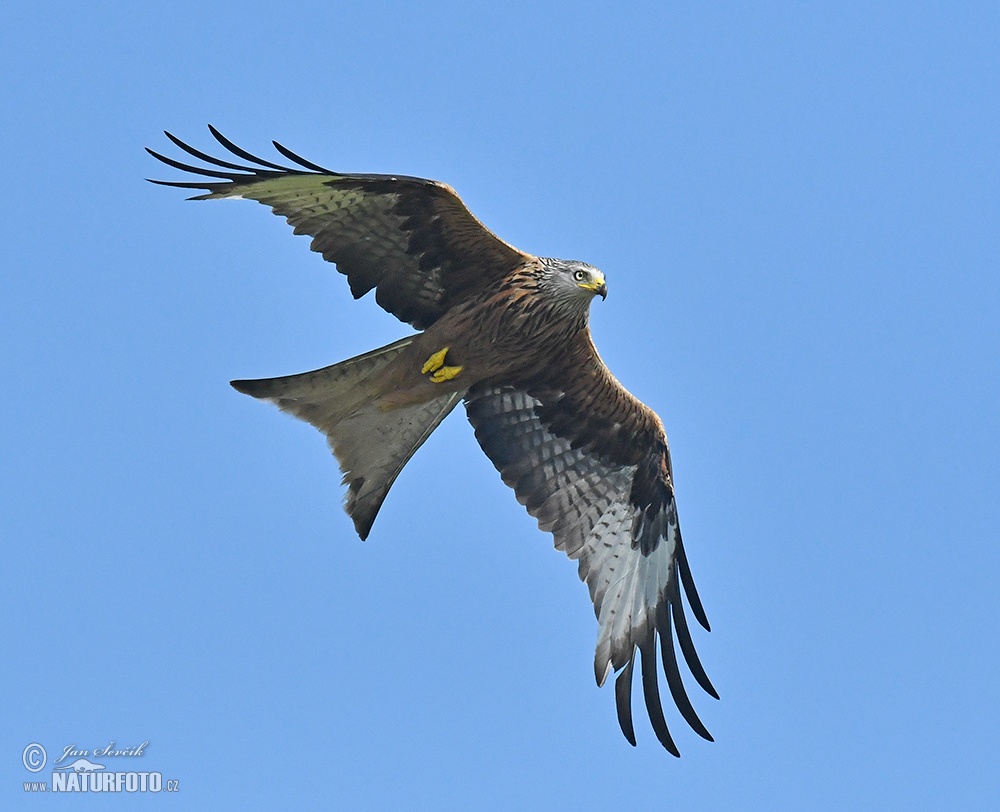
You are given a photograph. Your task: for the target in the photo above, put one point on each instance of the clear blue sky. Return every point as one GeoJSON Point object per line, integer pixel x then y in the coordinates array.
{"type": "Point", "coordinates": [796, 206]}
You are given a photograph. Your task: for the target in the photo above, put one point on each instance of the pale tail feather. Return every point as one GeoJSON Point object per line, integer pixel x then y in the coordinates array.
{"type": "Point", "coordinates": [325, 395]}
{"type": "Point", "coordinates": [371, 445]}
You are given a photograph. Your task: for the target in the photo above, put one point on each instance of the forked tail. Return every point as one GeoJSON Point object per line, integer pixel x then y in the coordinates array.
{"type": "Point", "coordinates": [371, 445]}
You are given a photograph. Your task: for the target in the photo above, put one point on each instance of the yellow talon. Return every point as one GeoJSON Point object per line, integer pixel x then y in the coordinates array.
{"type": "Point", "coordinates": [435, 362]}
{"type": "Point", "coordinates": [445, 374]}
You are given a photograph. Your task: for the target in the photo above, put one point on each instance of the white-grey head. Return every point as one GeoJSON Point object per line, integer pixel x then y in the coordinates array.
{"type": "Point", "coordinates": [573, 283]}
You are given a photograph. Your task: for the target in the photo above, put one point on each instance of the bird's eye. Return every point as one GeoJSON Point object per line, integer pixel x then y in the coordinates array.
{"type": "Point", "coordinates": [579, 276]}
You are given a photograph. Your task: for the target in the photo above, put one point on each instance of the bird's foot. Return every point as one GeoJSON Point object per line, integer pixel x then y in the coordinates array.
{"type": "Point", "coordinates": [435, 362]}
{"type": "Point", "coordinates": [445, 374]}
{"type": "Point", "coordinates": [435, 365]}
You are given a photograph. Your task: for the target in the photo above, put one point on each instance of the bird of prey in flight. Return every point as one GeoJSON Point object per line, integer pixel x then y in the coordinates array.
{"type": "Point", "coordinates": [506, 333]}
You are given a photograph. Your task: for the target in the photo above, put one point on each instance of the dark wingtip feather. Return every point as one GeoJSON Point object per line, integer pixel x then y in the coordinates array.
{"type": "Point", "coordinates": [204, 156]}
{"type": "Point", "coordinates": [180, 184]}
{"type": "Point", "coordinates": [623, 701]}
{"type": "Point", "coordinates": [239, 152]}
{"type": "Point", "coordinates": [684, 638]}
{"type": "Point", "coordinates": [210, 187]}
{"type": "Point", "coordinates": [651, 694]}
{"type": "Point", "coordinates": [197, 170]}
{"type": "Point", "coordinates": [302, 161]}
{"type": "Point", "coordinates": [689, 588]}
{"type": "Point", "coordinates": [674, 681]}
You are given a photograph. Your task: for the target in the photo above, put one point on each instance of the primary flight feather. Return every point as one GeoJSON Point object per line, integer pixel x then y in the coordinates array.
{"type": "Point", "coordinates": [507, 333]}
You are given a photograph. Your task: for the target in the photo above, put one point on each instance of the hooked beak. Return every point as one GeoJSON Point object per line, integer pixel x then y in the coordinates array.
{"type": "Point", "coordinates": [598, 286]}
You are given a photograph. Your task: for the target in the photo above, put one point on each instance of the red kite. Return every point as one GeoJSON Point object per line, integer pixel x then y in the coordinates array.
{"type": "Point", "coordinates": [507, 333]}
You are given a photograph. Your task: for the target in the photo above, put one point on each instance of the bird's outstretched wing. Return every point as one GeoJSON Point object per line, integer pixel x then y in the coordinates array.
{"type": "Point", "coordinates": [412, 240]}
{"type": "Point", "coordinates": [590, 462]}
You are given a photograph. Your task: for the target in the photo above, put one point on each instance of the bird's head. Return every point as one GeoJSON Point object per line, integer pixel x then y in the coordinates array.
{"type": "Point", "coordinates": [575, 282]}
